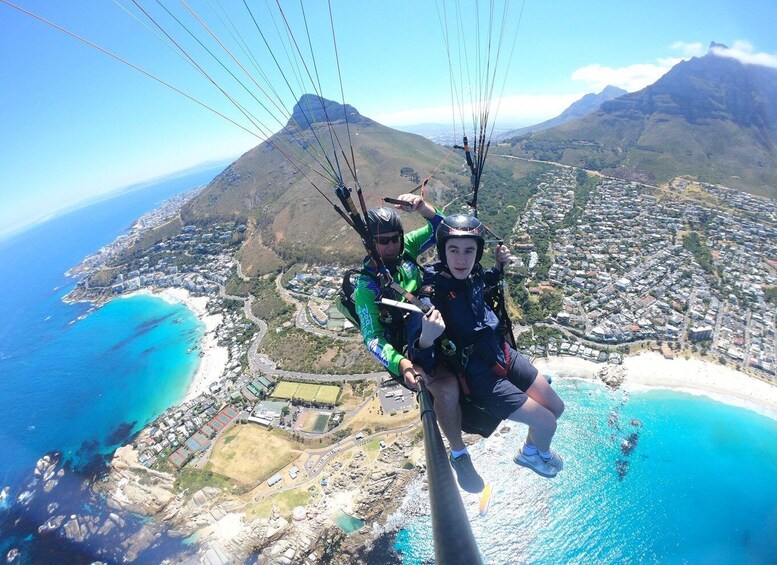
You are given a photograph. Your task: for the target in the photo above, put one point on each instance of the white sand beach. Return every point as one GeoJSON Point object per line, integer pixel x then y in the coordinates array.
{"type": "Point", "coordinates": [652, 370]}
{"type": "Point", "coordinates": [215, 358]}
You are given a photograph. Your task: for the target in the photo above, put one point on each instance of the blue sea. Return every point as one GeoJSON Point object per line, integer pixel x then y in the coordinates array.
{"type": "Point", "coordinates": [79, 385]}
{"type": "Point", "coordinates": [697, 485]}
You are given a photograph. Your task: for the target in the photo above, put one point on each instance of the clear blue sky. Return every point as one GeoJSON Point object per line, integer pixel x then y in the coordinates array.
{"type": "Point", "coordinates": [76, 123]}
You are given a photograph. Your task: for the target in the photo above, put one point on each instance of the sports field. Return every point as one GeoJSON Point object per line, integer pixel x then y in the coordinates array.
{"type": "Point", "coordinates": [307, 392]}
{"type": "Point", "coordinates": [311, 420]}
{"type": "Point", "coordinates": [249, 454]}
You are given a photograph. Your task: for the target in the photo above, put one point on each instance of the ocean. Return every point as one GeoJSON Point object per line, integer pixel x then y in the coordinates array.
{"type": "Point", "coordinates": [697, 485]}
{"type": "Point", "coordinates": [74, 384]}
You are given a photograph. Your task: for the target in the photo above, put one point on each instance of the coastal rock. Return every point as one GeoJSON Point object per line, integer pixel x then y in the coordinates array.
{"type": "Point", "coordinates": [141, 540]}
{"type": "Point", "coordinates": [612, 376]}
{"type": "Point", "coordinates": [47, 466]}
{"type": "Point", "coordinates": [117, 519]}
{"type": "Point", "coordinates": [106, 528]}
{"type": "Point", "coordinates": [135, 488]}
{"type": "Point", "coordinates": [275, 528]}
{"type": "Point", "coordinates": [74, 530]}
{"type": "Point", "coordinates": [51, 524]}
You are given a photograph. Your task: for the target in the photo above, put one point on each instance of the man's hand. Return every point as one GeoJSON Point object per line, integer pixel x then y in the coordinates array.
{"type": "Point", "coordinates": [432, 326]}
{"type": "Point", "coordinates": [414, 203]}
{"type": "Point", "coordinates": [502, 256]}
{"type": "Point", "coordinates": [411, 374]}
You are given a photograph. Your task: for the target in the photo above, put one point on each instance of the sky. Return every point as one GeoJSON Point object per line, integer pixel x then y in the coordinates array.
{"type": "Point", "coordinates": [77, 123]}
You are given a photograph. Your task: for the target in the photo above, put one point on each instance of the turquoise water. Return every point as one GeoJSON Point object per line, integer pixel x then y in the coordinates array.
{"type": "Point", "coordinates": [700, 486]}
{"type": "Point", "coordinates": [130, 356]}
{"type": "Point", "coordinates": [81, 386]}
{"type": "Point", "coordinates": [346, 522]}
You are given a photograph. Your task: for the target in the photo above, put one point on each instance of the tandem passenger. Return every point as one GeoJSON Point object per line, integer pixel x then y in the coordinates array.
{"type": "Point", "coordinates": [495, 375]}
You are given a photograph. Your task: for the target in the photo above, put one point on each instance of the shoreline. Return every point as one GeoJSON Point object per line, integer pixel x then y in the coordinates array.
{"type": "Point", "coordinates": [214, 361]}
{"type": "Point", "coordinates": [650, 370]}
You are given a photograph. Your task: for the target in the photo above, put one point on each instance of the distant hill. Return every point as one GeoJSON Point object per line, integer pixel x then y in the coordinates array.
{"type": "Point", "coordinates": [287, 218]}
{"type": "Point", "coordinates": [585, 105]}
{"type": "Point", "coordinates": [712, 118]}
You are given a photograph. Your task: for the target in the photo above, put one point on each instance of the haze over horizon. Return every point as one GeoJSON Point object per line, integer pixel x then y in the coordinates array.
{"type": "Point", "coordinates": [84, 124]}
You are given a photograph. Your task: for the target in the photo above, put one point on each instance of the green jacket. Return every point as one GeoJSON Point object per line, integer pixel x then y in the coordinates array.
{"type": "Point", "coordinates": [377, 336]}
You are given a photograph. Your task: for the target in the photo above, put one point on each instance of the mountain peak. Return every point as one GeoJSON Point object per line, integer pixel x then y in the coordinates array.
{"type": "Point", "coordinates": [610, 92]}
{"type": "Point", "coordinates": [312, 109]}
{"type": "Point", "coordinates": [714, 46]}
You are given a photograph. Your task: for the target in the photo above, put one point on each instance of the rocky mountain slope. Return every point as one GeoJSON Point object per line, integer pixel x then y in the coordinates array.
{"type": "Point", "coordinates": [271, 187]}
{"type": "Point", "coordinates": [713, 118]}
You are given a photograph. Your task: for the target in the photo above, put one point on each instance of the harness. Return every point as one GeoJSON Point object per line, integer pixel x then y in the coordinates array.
{"type": "Point", "coordinates": [455, 351]}
{"type": "Point", "coordinates": [392, 318]}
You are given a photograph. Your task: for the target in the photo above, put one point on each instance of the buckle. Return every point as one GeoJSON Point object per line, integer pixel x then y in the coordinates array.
{"type": "Point", "coordinates": [465, 353]}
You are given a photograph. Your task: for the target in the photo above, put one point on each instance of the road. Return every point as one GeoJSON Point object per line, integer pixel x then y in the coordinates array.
{"type": "Point", "coordinates": [261, 363]}
{"type": "Point", "coordinates": [301, 317]}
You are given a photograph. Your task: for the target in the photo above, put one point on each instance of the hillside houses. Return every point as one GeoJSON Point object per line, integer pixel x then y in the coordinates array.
{"type": "Point", "coordinates": [627, 277]}
{"type": "Point", "coordinates": [196, 259]}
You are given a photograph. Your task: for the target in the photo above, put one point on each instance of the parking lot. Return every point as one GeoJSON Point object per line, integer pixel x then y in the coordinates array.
{"type": "Point", "coordinates": [395, 398]}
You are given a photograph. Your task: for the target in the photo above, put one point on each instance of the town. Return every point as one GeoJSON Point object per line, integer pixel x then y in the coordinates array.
{"type": "Point", "coordinates": [682, 269]}
{"type": "Point", "coordinates": [626, 277]}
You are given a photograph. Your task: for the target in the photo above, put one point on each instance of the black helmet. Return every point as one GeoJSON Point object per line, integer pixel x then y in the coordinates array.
{"type": "Point", "coordinates": [460, 225]}
{"type": "Point", "coordinates": [383, 220]}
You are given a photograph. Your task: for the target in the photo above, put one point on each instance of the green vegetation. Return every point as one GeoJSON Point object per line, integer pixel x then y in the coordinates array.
{"type": "Point", "coordinates": [362, 386]}
{"type": "Point", "coordinates": [307, 392]}
{"type": "Point", "coordinates": [192, 480]}
{"type": "Point", "coordinates": [693, 243]}
{"type": "Point", "coordinates": [534, 308]}
{"type": "Point", "coordinates": [283, 501]}
{"type": "Point", "coordinates": [586, 184]}
{"type": "Point", "coordinates": [150, 238]}
{"type": "Point", "coordinates": [267, 304]}
{"type": "Point", "coordinates": [770, 294]}
{"type": "Point", "coordinates": [539, 335]}
{"type": "Point", "coordinates": [235, 286]}
{"type": "Point", "coordinates": [542, 240]}
{"type": "Point", "coordinates": [302, 351]}
{"type": "Point", "coordinates": [501, 195]}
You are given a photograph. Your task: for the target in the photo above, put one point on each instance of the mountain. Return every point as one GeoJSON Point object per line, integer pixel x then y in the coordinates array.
{"type": "Point", "coordinates": [287, 218]}
{"type": "Point", "coordinates": [713, 118]}
{"type": "Point", "coordinates": [311, 110]}
{"type": "Point", "coordinates": [585, 105]}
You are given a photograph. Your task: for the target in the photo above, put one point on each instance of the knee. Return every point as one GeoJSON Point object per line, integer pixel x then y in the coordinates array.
{"type": "Point", "coordinates": [549, 422]}
{"type": "Point", "coordinates": [558, 410]}
{"type": "Point", "coordinates": [446, 391]}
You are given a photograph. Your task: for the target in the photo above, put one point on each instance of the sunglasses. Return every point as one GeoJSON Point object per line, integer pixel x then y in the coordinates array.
{"type": "Point", "coordinates": [385, 240]}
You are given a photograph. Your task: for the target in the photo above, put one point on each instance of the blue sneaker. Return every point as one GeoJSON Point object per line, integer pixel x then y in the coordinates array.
{"type": "Point", "coordinates": [555, 460]}
{"type": "Point", "coordinates": [537, 464]}
{"type": "Point", "coordinates": [466, 475]}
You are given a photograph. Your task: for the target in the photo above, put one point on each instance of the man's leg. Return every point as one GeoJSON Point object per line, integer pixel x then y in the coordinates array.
{"type": "Point", "coordinates": [541, 392]}
{"type": "Point", "coordinates": [444, 386]}
{"type": "Point", "coordinates": [536, 453]}
{"type": "Point", "coordinates": [541, 422]}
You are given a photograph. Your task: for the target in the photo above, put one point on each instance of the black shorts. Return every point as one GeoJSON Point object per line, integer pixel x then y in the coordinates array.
{"type": "Point", "coordinates": [501, 396]}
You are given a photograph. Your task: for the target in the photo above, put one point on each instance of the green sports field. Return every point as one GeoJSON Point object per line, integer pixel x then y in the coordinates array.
{"type": "Point", "coordinates": [307, 392]}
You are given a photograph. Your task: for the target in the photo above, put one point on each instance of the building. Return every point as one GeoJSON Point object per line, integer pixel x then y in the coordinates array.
{"type": "Point", "coordinates": [320, 317]}
{"type": "Point", "coordinates": [700, 333]}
